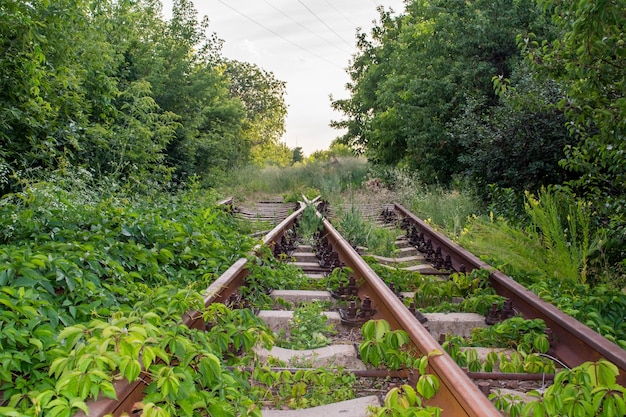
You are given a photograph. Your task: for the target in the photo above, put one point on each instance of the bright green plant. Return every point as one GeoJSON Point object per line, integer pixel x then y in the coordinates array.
{"type": "Point", "coordinates": [308, 192]}
{"type": "Point", "coordinates": [446, 209]}
{"type": "Point", "coordinates": [521, 256]}
{"type": "Point", "coordinates": [589, 390]}
{"type": "Point", "coordinates": [310, 224]}
{"type": "Point", "coordinates": [360, 231]}
{"type": "Point", "coordinates": [564, 228]}
{"type": "Point", "coordinates": [508, 403]}
{"type": "Point", "coordinates": [382, 346]}
{"type": "Point", "coordinates": [81, 266]}
{"type": "Point", "coordinates": [303, 388]}
{"type": "Point", "coordinates": [330, 177]}
{"type": "Point", "coordinates": [266, 273]}
{"type": "Point", "coordinates": [338, 276]}
{"type": "Point", "coordinates": [308, 329]}
{"type": "Point", "coordinates": [401, 279]}
{"type": "Point", "coordinates": [516, 332]}
{"type": "Point", "coordinates": [434, 294]}
{"type": "Point", "coordinates": [509, 362]}
{"type": "Point", "coordinates": [409, 401]}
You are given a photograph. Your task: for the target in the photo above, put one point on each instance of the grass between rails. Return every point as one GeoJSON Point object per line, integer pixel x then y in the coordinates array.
{"type": "Point", "coordinates": [553, 257]}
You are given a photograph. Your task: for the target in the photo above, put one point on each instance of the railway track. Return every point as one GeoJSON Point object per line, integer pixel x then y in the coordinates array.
{"type": "Point", "coordinates": [458, 395]}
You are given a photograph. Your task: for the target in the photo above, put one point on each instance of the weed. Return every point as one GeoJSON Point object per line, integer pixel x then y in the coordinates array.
{"type": "Point", "coordinates": [308, 329]}
{"type": "Point", "coordinates": [563, 226]}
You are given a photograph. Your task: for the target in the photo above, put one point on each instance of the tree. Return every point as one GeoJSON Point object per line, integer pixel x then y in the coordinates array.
{"type": "Point", "coordinates": [298, 156]}
{"type": "Point", "coordinates": [412, 80]}
{"type": "Point", "coordinates": [518, 143]}
{"type": "Point", "coordinates": [64, 94]}
{"type": "Point", "coordinates": [589, 61]}
{"type": "Point", "coordinates": [263, 97]}
{"type": "Point", "coordinates": [188, 80]}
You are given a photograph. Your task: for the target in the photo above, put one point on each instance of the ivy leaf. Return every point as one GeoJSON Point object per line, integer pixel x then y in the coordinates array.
{"type": "Point", "coordinates": [108, 390]}
{"type": "Point", "coordinates": [427, 386]}
{"type": "Point", "coordinates": [71, 335]}
{"type": "Point", "coordinates": [147, 356]}
{"type": "Point", "coordinates": [219, 409]}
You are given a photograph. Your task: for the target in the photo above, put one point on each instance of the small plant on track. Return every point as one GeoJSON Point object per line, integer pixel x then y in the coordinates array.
{"type": "Point", "coordinates": [308, 328]}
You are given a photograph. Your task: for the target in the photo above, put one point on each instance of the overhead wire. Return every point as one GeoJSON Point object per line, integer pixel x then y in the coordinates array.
{"type": "Point", "coordinates": [325, 24]}
{"type": "Point", "coordinates": [280, 36]}
{"type": "Point", "coordinates": [307, 29]}
{"type": "Point", "coordinates": [341, 13]}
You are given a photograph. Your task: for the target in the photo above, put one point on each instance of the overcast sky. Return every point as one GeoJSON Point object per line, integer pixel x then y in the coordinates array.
{"type": "Point", "coordinates": [306, 43]}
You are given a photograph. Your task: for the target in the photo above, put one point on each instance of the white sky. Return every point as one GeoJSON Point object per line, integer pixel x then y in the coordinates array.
{"type": "Point", "coordinates": [306, 43]}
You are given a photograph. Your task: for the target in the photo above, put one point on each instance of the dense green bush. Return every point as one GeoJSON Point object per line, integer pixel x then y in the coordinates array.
{"type": "Point", "coordinates": [85, 257]}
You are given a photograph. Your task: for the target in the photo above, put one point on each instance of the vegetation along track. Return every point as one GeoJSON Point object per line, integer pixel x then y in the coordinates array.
{"type": "Point", "coordinates": [572, 342]}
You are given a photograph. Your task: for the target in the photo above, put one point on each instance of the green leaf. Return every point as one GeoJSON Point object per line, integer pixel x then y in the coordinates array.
{"type": "Point", "coordinates": [427, 386]}
{"type": "Point", "coordinates": [108, 390]}
{"type": "Point", "coordinates": [71, 335]}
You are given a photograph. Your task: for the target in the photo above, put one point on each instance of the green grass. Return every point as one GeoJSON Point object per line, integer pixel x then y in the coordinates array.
{"type": "Point", "coordinates": [329, 177]}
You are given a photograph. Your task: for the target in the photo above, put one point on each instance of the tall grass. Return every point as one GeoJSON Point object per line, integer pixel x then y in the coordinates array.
{"type": "Point", "coordinates": [446, 208]}
{"type": "Point", "coordinates": [360, 231]}
{"type": "Point", "coordinates": [328, 177]}
{"type": "Point", "coordinates": [562, 224]}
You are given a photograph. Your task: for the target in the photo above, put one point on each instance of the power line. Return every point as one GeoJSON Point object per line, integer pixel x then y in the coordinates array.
{"type": "Point", "coordinates": [341, 13]}
{"type": "Point", "coordinates": [306, 28]}
{"type": "Point", "coordinates": [279, 35]}
{"type": "Point", "coordinates": [325, 24]}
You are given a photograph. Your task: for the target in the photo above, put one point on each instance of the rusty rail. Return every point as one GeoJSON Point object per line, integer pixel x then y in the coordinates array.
{"type": "Point", "coordinates": [575, 342]}
{"type": "Point", "coordinates": [457, 396]}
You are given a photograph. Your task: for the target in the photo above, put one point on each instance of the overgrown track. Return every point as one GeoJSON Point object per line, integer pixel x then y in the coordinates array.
{"type": "Point", "coordinates": [226, 285]}
{"type": "Point", "coordinates": [574, 343]}
{"type": "Point", "coordinates": [458, 395]}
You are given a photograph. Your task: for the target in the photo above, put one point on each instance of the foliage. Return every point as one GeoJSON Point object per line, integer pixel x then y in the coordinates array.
{"type": "Point", "coordinates": [600, 307]}
{"type": "Point", "coordinates": [407, 400]}
{"type": "Point", "coordinates": [303, 388]}
{"type": "Point", "coordinates": [586, 390]}
{"type": "Point", "coordinates": [271, 154]}
{"type": "Point", "coordinates": [336, 150]}
{"type": "Point", "coordinates": [360, 231]}
{"type": "Point", "coordinates": [507, 204]}
{"type": "Point", "coordinates": [330, 177]}
{"type": "Point", "coordinates": [339, 276]}
{"type": "Point", "coordinates": [308, 329]}
{"type": "Point", "coordinates": [517, 144]}
{"type": "Point", "coordinates": [114, 87]}
{"type": "Point", "coordinates": [382, 346]}
{"type": "Point", "coordinates": [410, 81]}
{"type": "Point", "coordinates": [436, 294]}
{"type": "Point", "coordinates": [518, 333]}
{"type": "Point", "coordinates": [506, 248]}
{"type": "Point", "coordinates": [563, 226]}
{"type": "Point", "coordinates": [442, 207]}
{"type": "Point", "coordinates": [588, 60]}
{"type": "Point", "coordinates": [310, 224]}
{"type": "Point", "coordinates": [507, 362]}
{"type": "Point", "coordinates": [184, 366]}
{"type": "Point", "coordinates": [297, 155]}
{"type": "Point", "coordinates": [78, 267]}
{"type": "Point", "coordinates": [307, 193]}
{"type": "Point", "coordinates": [263, 97]}
{"type": "Point", "coordinates": [265, 273]}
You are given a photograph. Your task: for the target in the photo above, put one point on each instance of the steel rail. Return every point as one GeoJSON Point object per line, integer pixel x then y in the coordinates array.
{"type": "Point", "coordinates": [575, 342]}
{"type": "Point", "coordinates": [457, 396]}
{"type": "Point", "coordinates": [218, 292]}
